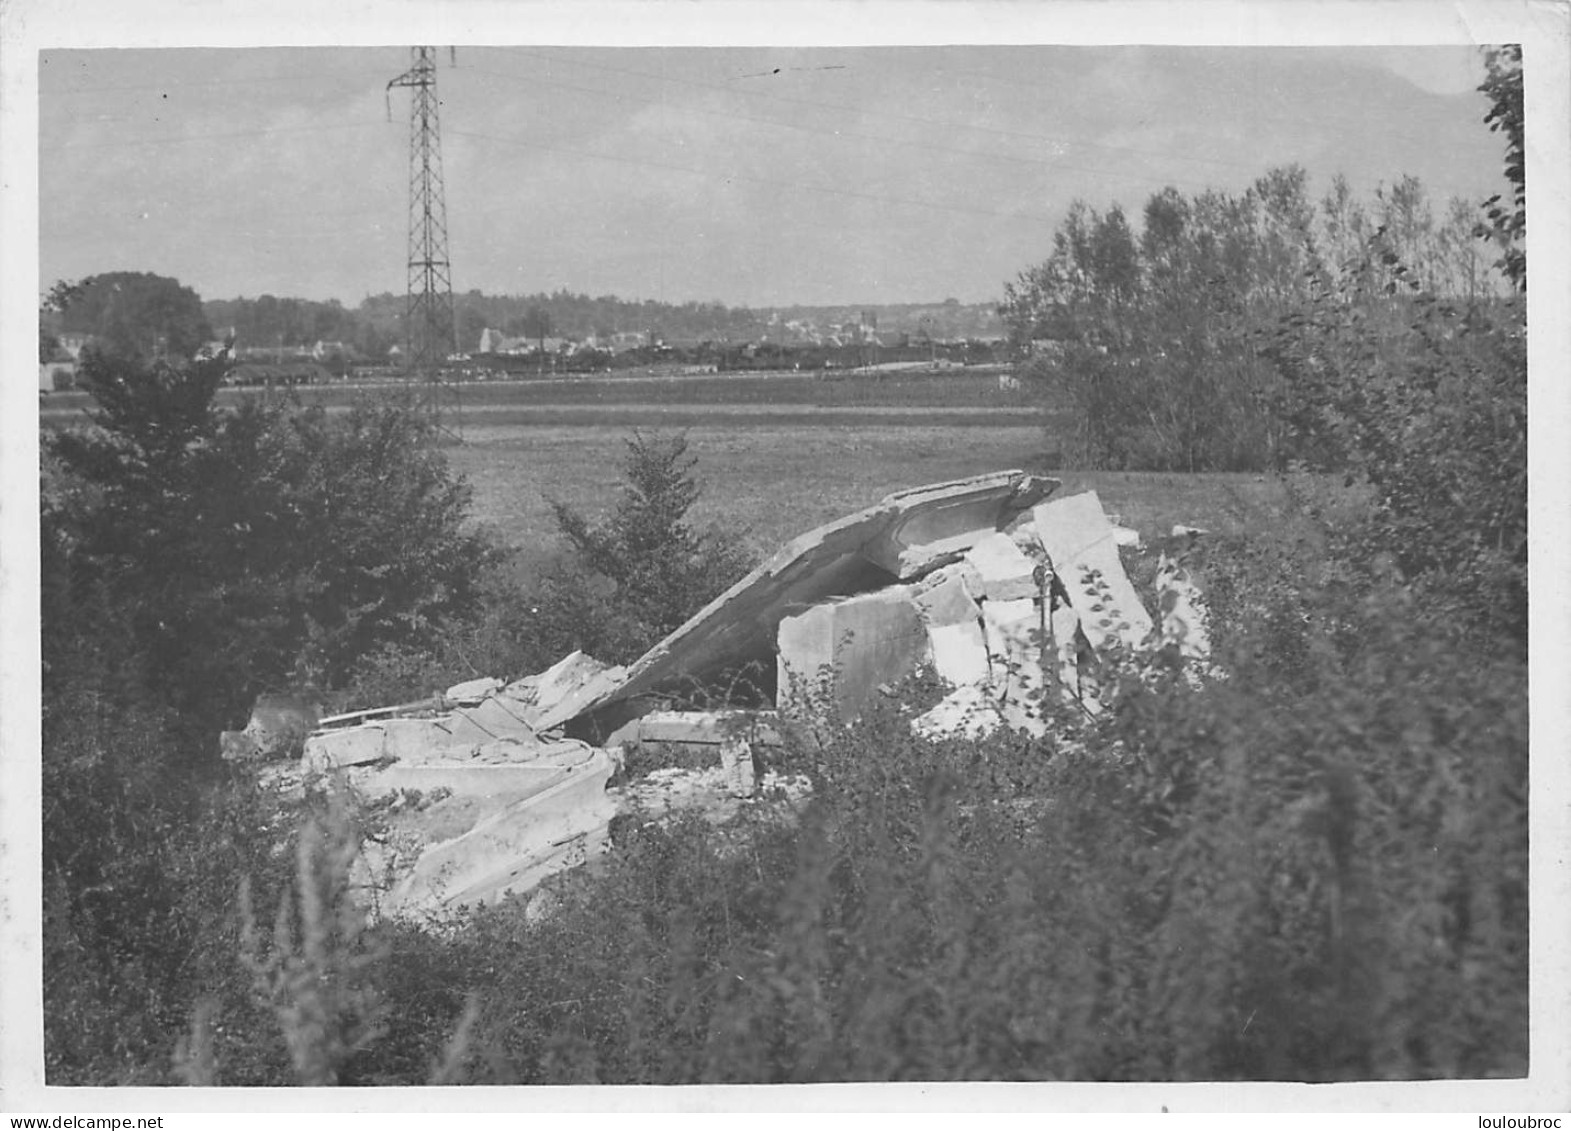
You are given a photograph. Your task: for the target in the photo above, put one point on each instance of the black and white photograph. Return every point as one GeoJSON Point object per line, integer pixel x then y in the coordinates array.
{"type": "Point", "coordinates": [784, 557]}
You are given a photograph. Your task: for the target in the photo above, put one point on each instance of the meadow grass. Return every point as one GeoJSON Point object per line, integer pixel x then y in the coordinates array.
{"type": "Point", "coordinates": [954, 389]}
{"type": "Point", "coordinates": [773, 480]}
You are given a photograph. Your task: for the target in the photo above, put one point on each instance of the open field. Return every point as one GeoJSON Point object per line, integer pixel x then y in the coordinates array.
{"type": "Point", "coordinates": [774, 480]}
{"type": "Point", "coordinates": [778, 453]}
{"type": "Point", "coordinates": [975, 388]}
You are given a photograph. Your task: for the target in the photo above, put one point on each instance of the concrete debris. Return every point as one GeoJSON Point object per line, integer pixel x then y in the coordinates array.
{"type": "Point", "coordinates": [1079, 543]}
{"type": "Point", "coordinates": [954, 627]}
{"type": "Point", "coordinates": [966, 712]}
{"type": "Point", "coordinates": [839, 652]}
{"type": "Point", "coordinates": [563, 690]}
{"type": "Point", "coordinates": [1182, 531]}
{"type": "Point", "coordinates": [1011, 600]}
{"type": "Point", "coordinates": [1003, 570]}
{"type": "Point", "coordinates": [472, 692]}
{"type": "Point", "coordinates": [906, 534]}
{"type": "Point", "coordinates": [277, 728]}
{"type": "Point", "coordinates": [501, 829]}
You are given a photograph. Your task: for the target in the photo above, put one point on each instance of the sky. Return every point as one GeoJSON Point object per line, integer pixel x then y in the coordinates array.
{"type": "Point", "coordinates": [750, 176]}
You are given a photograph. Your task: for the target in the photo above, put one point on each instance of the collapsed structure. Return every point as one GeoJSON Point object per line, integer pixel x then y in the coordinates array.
{"type": "Point", "coordinates": [1011, 597]}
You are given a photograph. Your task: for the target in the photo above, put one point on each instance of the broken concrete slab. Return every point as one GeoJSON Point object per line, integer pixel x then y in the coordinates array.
{"type": "Point", "coordinates": [510, 848]}
{"type": "Point", "coordinates": [1004, 572]}
{"type": "Point", "coordinates": [1064, 626]}
{"type": "Point", "coordinates": [472, 691]}
{"type": "Point", "coordinates": [499, 716]}
{"type": "Point", "coordinates": [330, 750]}
{"type": "Point", "coordinates": [707, 728]}
{"type": "Point", "coordinates": [966, 712]}
{"type": "Point", "coordinates": [1079, 543]}
{"type": "Point", "coordinates": [935, 525]}
{"type": "Point", "coordinates": [544, 766]}
{"type": "Point", "coordinates": [959, 653]}
{"type": "Point", "coordinates": [906, 533]}
{"type": "Point", "coordinates": [1124, 536]}
{"type": "Point", "coordinates": [563, 690]}
{"type": "Point", "coordinates": [464, 728]}
{"type": "Point", "coordinates": [843, 649]}
{"type": "Point", "coordinates": [954, 625]}
{"type": "Point", "coordinates": [414, 739]}
{"type": "Point", "coordinates": [1015, 637]}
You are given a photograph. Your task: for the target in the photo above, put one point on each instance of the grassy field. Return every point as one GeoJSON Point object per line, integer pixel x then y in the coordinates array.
{"type": "Point", "coordinates": [774, 480]}
{"type": "Point", "coordinates": [975, 388]}
{"type": "Point", "coordinates": [778, 453]}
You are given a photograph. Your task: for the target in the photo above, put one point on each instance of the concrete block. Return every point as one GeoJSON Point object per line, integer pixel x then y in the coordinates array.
{"type": "Point", "coordinates": [1079, 542]}
{"type": "Point", "coordinates": [512, 780]}
{"type": "Point", "coordinates": [464, 730]}
{"type": "Point", "coordinates": [514, 849]}
{"type": "Point", "coordinates": [1124, 536]}
{"type": "Point", "coordinates": [1015, 638]}
{"type": "Point", "coordinates": [736, 759]}
{"type": "Point", "coordinates": [707, 727]}
{"type": "Point", "coordinates": [959, 652]}
{"type": "Point", "coordinates": [853, 645]}
{"type": "Point", "coordinates": [1003, 571]}
{"type": "Point", "coordinates": [966, 712]}
{"type": "Point", "coordinates": [954, 625]}
{"type": "Point", "coordinates": [1064, 626]}
{"type": "Point", "coordinates": [948, 596]}
{"type": "Point", "coordinates": [500, 717]}
{"type": "Point", "coordinates": [414, 740]}
{"type": "Point", "coordinates": [472, 691]}
{"type": "Point", "coordinates": [328, 750]}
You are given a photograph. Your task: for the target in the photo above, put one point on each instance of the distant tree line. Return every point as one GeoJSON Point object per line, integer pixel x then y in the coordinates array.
{"type": "Point", "coordinates": [377, 323]}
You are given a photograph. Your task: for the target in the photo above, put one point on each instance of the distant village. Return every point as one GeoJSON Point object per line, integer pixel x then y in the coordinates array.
{"type": "Point", "coordinates": [790, 343]}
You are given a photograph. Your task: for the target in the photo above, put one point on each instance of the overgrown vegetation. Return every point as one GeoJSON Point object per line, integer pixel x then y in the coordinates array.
{"type": "Point", "coordinates": [1313, 867]}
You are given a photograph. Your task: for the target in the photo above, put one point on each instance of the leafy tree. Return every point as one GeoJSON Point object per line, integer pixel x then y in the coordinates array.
{"type": "Point", "coordinates": [1151, 341]}
{"type": "Point", "coordinates": [1508, 219]}
{"type": "Point", "coordinates": [135, 316]}
{"type": "Point", "coordinates": [245, 550]}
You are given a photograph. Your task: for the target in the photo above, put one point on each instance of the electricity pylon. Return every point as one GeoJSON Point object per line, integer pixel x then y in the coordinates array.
{"type": "Point", "coordinates": [430, 329]}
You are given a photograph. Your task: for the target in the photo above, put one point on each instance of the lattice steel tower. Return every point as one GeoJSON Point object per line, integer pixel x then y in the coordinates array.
{"type": "Point", "coordinates": [430, 329]}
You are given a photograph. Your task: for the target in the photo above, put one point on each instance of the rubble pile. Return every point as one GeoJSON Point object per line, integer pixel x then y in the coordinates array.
{"type": "Point", "coordinates": [1011, 597]}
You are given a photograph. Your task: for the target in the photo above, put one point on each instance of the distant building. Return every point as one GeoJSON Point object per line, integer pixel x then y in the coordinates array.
{"type": "Point", "coordinates": [73, 344]}
{"type": "Point", "coordinates": [324, 350]}
{"type": "Point", "coordinates": [54, 376]}
{"type": "Point", "coordinates": [271, 375]}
